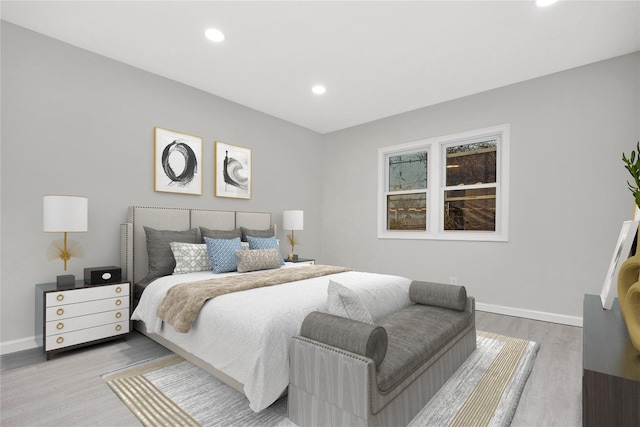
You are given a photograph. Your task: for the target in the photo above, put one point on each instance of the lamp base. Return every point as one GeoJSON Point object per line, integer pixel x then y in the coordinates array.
{"type": "Point", "coordinates": [66, 281]}
{"type": "Point", "coordinates": [292, 257]}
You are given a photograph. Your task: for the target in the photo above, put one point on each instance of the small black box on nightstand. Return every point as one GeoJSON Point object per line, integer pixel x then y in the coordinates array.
{"type": "Point", "coordinates": [65, 281]}
{"type": "Point", "coordinates": [102, 275]}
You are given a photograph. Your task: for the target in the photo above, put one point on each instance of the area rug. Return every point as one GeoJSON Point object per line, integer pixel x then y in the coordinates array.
{"type": "Point", "coordinates": [169, 391]}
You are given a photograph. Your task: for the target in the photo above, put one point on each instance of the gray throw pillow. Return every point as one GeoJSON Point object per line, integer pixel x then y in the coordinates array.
{"type": "Point", "coordinates": [220, 234]}
{"type": "Point", "coordinates": [161, 260]}
{"type": "Point", "coordinates": [270, 232]}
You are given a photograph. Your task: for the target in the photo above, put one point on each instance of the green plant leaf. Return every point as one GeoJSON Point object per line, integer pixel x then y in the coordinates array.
{"type": "Point", "coordinates": [632, 164]}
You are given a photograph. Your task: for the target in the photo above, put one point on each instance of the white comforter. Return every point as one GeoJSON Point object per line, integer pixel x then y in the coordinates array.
{"type": "Point", "coordinates": [246, 334]}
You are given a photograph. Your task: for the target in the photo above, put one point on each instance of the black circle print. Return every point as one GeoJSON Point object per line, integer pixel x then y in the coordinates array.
{"type": "Point", "coordinates": [190, 163]}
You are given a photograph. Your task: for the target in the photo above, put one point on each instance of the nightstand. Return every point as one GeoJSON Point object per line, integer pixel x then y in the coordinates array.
{"type": "Point", "coordinates": [82, 315]}
{"type": "Point", "coordinates": [302, 261]}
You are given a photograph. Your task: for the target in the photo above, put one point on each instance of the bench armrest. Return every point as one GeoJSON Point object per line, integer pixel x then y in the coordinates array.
{"type": "Point", "coordinates": [347, 334]}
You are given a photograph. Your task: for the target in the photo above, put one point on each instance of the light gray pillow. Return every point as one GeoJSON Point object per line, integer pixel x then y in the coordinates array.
{"type": "Point", "coordinates": [257, 259]}
{"type": "Point", "coordinates": [190, 257]}
{"type": "Point", "coordinates": [161, 260]}
{"type": "Point", "coordinates": [343, 302]}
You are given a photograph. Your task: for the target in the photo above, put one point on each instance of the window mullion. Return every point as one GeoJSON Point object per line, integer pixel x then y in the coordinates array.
{"type": "Point", "coordinates": [435, 178]}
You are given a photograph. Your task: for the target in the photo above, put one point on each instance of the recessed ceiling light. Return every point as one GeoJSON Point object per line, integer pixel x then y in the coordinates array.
{"type": "Point", "coordinates": [318, 89]}
{"type": "Point", "coordinates": [214, 35]}
{"type": "Point", "coordinates": [545, 3]}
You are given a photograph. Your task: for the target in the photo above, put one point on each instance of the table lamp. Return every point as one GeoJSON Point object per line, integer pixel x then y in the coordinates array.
{"type": "Point", "coordinates": [292, 220]}
{"type": "Point", "coordinates": [65, 214]}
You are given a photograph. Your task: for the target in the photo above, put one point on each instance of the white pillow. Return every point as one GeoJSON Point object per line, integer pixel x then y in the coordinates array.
{"type": "Point", "coordinates": [190, 257]}
{"type": "Point", "coordinates": [343, 302]}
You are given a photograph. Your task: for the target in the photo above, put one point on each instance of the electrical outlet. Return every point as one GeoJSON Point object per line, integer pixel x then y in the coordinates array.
{"type": "Point", "coordinates": [453, 280]}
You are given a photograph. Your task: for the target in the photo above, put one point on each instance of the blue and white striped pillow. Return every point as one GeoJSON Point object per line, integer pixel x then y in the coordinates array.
{"type": "Point", "coordinates": [222, 253]}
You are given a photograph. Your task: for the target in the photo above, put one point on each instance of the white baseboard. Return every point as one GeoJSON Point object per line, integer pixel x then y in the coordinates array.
{"type": "Point", "coordinates": [18, 345]}
{"type": "Point", "coordinates": [530, 314]}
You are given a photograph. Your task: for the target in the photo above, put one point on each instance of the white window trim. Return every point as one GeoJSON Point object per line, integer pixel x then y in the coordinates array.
{"type": "Point", "coordinates": [435, 192]}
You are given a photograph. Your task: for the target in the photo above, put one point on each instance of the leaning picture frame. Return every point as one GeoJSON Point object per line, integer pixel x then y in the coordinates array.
{"type": "Point", "coordinates": [232, 177]}
{"type": "Point", "coordinates": [620, 254]}
{"type": "Point", "coordinates": [177, 162]}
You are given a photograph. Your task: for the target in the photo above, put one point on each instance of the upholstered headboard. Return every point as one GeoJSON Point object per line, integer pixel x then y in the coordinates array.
{"type": "Point", "coordinates": [133, 251]}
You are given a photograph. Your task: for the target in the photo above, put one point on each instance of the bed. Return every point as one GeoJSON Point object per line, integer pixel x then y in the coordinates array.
{"type": "Point", "coordinates": [242, 338]}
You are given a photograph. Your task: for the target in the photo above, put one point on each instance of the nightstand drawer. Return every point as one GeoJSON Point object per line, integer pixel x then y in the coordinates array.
{"type": "Point", "coordinates": [86, 294]}
{"type": "Point", "coordinates": [57, 327]}
{"type": "Point", "coordinates": [55, 342]}
{"type": "Point", "coordinates": [84, 308]}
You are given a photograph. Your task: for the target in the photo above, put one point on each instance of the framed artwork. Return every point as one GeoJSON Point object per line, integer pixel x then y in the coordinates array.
{"type": "Point", "coordinates": [620, 254]}
{"type": "Point", "coordinates": [177, 162]}
{"type": "Point", "coordinates": [233, 171]}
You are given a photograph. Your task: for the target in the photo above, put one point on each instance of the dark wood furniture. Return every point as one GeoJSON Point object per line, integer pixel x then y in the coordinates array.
{"type": "Point", "coordinates": [302, 260]}
{"type": "Point", "coordinates": [611, 368]}
{"type": "Point", "coordinates": [81, 315]}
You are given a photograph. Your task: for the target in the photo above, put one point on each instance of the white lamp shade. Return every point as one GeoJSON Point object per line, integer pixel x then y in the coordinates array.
{"type": "Point", "coordinates": [65, 213]}
{"type": "Point", "coordinates": [293, 220]}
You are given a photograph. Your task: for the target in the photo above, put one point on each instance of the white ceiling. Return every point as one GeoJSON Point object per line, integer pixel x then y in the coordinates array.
{"type": "Point", "coordinates": [376, 58]}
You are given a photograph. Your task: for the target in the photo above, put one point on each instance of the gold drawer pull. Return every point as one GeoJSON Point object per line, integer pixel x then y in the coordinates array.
{"type": "Point", "coordinates": [60, 311]}
{"type": "Point", "coordinates": [60, 340]}
{"type": "Point", "coordinates": [118, 315]}
{"type": "Point", "coordinates": [118, 327]}
{"type": "Point", "coordinates": [118, 290]}
{"type": "Point", "coordinates": [60, 297]}
{"type": "Point", "coordinates": [118, 302]}
{"type": "Point", "coordinates": [60, 325]}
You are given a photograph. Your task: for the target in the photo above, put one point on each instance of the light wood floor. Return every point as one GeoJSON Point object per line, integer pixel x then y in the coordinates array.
{"type": "Point", "coordinates": [68, 390]}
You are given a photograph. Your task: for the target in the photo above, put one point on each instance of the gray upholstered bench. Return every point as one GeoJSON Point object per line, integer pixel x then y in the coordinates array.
{"type": "Point", "coordinates": [344, 372]}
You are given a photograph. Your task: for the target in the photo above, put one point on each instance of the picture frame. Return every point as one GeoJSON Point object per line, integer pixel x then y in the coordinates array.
{"type": "Point", "coordinates": [621, 252]}
{"type": "Point", "coordinates": [177, 162]}
{"type": "Point", "coordinates": [232, 176]}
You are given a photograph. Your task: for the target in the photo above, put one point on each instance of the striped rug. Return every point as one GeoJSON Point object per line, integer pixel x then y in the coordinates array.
{"type": "Point", "coordinates": [486, 389]}
{"type": "Point", "coordinates": [169, 391]}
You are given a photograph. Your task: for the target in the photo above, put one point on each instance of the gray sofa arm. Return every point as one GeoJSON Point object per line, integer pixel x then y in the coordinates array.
{"type": "Point", "coordinates": [351, 335]}
{"type": "Point", "coordinates": [438, 294]}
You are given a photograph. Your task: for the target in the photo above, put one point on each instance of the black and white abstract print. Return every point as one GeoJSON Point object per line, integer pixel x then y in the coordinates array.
{"type": "Point", "coordinates": [178, 162]}
{"type": "Point", "coordinates": [233, 171]}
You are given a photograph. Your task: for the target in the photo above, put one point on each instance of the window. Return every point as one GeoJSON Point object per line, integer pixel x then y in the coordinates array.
{"type": "Point", "coordinates": [450, 188]}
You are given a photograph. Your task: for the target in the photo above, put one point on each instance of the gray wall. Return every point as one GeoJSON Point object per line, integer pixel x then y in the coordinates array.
{"type": "Point", "coordinates": [77, 123]}
{"type": "Point", "coordinates": [568, 195]}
